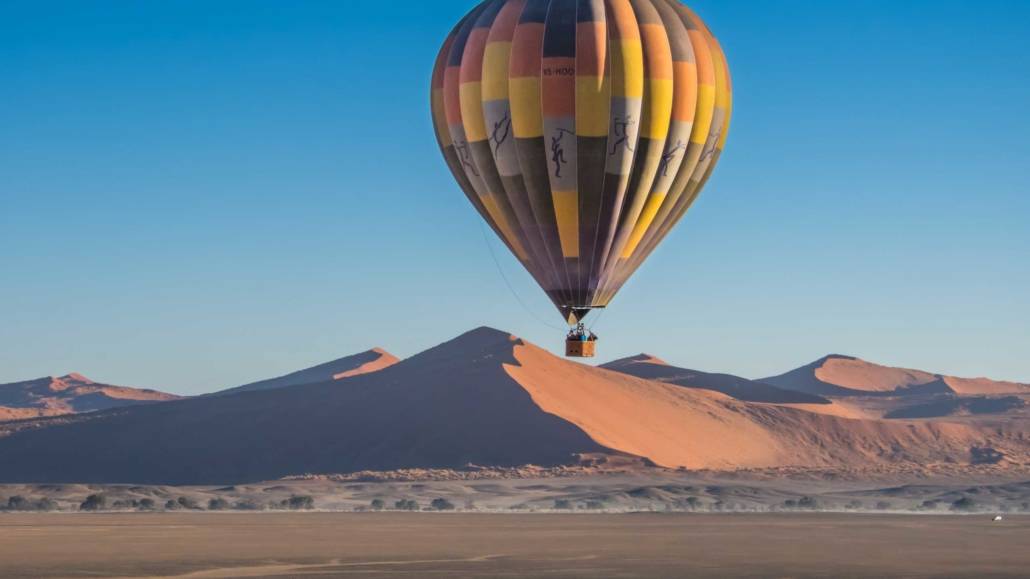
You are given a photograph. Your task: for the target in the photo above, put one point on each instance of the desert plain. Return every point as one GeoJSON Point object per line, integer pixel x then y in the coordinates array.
{"type": "Point", "coordinates": [511, 545]}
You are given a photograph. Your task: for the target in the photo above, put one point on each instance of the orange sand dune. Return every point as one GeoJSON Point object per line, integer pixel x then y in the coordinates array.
{"type": "Point", "coordinates": [484, 398]}
{"type": "Point", "coordinates": [651, 368]}
{"type": "Point", "coordinates": [846, 376]}
{"type": "Point", "coordinates": [70, 394]}
{"type": "Point", "coordinates": [678, 427]}
{"type": "Point", "coordinates": [364, 363]}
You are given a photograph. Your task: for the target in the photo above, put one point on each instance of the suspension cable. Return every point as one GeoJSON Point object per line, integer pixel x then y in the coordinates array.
{"type": "Point", "coordinates": [493, 255]}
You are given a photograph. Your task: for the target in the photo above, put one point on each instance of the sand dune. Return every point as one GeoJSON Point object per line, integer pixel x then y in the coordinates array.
{"type": "Point", "coordinates": [679, 427]}
{"type": "Point", "coordinates": [370, 361]}
{"type": "Point", "coordinates": [837, 375]}
{"type": "Point", "coordinates": [448, 406]}
{"type": "Point", "coordinates": [484, 398]}
{"type": "Point", "coordinates": [70, 394]}
{"type": "Point", "coordinates": [652, 368]}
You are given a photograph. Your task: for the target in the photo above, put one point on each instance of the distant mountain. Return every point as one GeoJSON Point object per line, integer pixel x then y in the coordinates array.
{"type": "Point", "coordinates": [838, 375]}
{"type": "Point", "coordinates": [74, 393]}
{"type": "Point", "coordinates": [370, 361]}
{"type": "Point", "coordinates": [485, 398]}
{"type": "Point", "coordinates": [652, 368]}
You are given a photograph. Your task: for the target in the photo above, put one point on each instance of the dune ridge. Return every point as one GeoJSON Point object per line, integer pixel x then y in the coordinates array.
{"type": "Point", "coordinates": [653, 368]}
{"type": "Point", "coordinates": [484, 398]}
{"type": "Point", "coordinates": [696, 429]}
{"type": "Point", "coordinates": [69, 394]}
{"type": "Point", "coordinates": [837, 375]}
{"type": "Point", "coordinates": [362, 363]}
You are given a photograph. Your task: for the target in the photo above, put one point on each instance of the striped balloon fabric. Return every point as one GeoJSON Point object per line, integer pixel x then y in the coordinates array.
{"type": "Point", "coordinates": [582, 131]}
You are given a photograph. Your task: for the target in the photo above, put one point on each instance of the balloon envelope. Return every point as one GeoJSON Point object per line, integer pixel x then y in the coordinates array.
{"type": "Point", "coordinates": [581, 131]}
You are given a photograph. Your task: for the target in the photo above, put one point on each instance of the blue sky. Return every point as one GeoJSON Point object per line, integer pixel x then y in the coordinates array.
{"type": "Point", "coordinates": [194, 195]}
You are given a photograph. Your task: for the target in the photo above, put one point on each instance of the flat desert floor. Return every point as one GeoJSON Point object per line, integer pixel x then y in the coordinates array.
{"type": "Point", "coordinates": [201, 545]}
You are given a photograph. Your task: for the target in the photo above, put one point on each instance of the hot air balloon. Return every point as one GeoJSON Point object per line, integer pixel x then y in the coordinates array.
{"type": "Point", "coordinates": [581, 131]}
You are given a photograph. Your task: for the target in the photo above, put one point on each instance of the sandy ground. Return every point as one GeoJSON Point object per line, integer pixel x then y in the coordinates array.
{"type": "Point", "coordinates": [481, 545]}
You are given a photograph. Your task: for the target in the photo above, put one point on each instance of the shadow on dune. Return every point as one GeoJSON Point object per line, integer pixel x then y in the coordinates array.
{"type": "Point", "coordinates": [446, 407]}
{"type": "Point", "coordinates": [644, 366]}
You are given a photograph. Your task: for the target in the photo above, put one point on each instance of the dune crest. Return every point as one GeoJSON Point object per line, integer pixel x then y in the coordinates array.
{"type": "Point", "coordinates": [69, 394]}
{"type": "Point", "coordinates": [365, 362]}
{"type": "Point", "coordinates": [837, 375]}
{"type": "Point", "coordinates": [690, 428]}
{"type": "Point", "coordinates": [651, 368]}
{"type": "Point", "coordinates": [485, 398]}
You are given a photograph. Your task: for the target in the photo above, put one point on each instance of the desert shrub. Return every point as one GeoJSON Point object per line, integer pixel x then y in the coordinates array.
{"type": "Point", "coordinates": [808, 503]}
{"type": "Point", "coordinates": [406, 505]}
{"type": "Point", "coordinates": [883, 506]}
{"type": "Point", "coordinates": [45, 504]}
{"type": "Point", "coordinates": [854, 505]}
{"type": "Point", "coordinates": [930, 505]}
{"type": "Point", "coordinates": [188, 503]}
{"type": "Point", "coordinates": [562, 505]}
{"type": "Point", "coordinates": [172, 505]}
{"type": "Point", "coordinates": [790, 504]}
{"type": "Point", "coordinates": [299, 503]}
{"type": "Point", "coordinates": [963, 504]}
{"type": "Point", "coordinates": [247, 505]}
{"type": "Point", "coordinates": [378, 504]}
{"type": "Point", "coordinates": [96, 502]}
{"type": "Point", "coordinates": [442, 505]}
{"type": "Point", "coordinates": [1025, 507]}
{"type": "Point", "coordinates": [595, 505]}
{"type": "Point", "coordinates": [20, 503]}
{"type": "Point", "coordinates": [217, 504]}
{"type": "Point", "coordinates": [693, 502]}
{"type": "Point", "coordinates": [146, 505]}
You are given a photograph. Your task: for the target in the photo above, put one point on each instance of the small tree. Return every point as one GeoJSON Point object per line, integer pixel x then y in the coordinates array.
{"type": "Point", "coordinates": [378, 504]}
{"type": "Point", "coordinates": [442, 505]}
{"type": "Point", "coordinates": [964, 504]}
{"type": "Point", "coordinates": [808, 503]}
{"type": "Point", "coordinates": [172, 505]}
{"type": "Point", "coordinates": [299, 502]}
{"type": "Point", "coordinates": [217, 504]}
{"type": "Point", "coordinates": [406, 505]}
{"type": "Point", "coordinates": [147, 505]}
{"type": "Point", "coordinates": [562, 505]}
{"type": "Point", "coordinates": [188, 503]}
{"type": "Point", "coordinates": [18, 503]}
{"type": "Point", "coordinates": [247, 505]}
{"type": "Point", "coordinates": [96, 502]}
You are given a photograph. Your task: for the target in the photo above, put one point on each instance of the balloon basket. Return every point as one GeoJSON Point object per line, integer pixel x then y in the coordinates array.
{"type": "Point", "coordinates": [580, 349]}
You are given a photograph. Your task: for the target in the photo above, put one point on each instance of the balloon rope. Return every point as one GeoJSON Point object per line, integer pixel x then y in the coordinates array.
{"type": "Point", "coordinates": [489, 246]}
{"type": "Point", "coordinates": [597, 320]}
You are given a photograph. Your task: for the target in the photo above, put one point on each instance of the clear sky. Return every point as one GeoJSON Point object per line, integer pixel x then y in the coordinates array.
{"type": "Point", "coordinates": [198, 194]}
